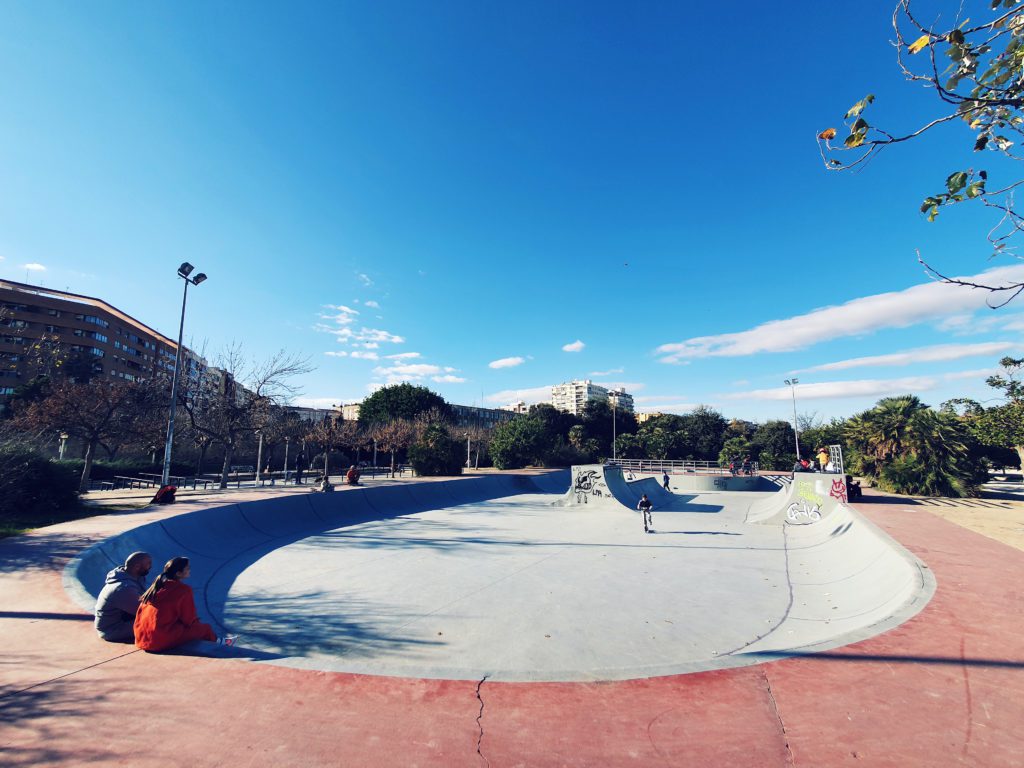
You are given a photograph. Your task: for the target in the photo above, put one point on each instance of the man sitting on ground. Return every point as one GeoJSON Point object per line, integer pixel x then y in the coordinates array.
{"type": "Point", "coordinates": [352, 476]}
{"type": "Point", "coordinates": [119, 599]}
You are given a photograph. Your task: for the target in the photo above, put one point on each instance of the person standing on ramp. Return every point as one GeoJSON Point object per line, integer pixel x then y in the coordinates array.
{"type": "Point", "coordinates": [645, 506]}
{"type": "Point", "coordinates": [664, 481]}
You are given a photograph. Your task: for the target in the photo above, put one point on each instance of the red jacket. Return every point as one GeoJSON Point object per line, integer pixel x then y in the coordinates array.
{"type": "Point", "coordinates": [170, 619]}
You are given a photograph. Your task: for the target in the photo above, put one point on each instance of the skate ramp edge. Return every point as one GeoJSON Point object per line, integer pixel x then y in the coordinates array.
{"type": "Point", "coordinates": [222, 541]}
{"type": "Point", "coordinates": [603, 487]}
{"type": "Point", "coordinates": [848, 581]}
{"type": "Point", "coordinates": [811, 498]}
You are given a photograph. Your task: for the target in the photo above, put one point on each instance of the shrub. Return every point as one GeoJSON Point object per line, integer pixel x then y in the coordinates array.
{"type": "Point", "coordinates": [436, 453]}
{"type": "Point", "coordinates": [34, 490]}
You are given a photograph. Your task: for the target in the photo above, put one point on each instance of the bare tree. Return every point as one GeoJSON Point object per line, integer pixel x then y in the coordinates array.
{"type": "Point", "coordinates": [237, 399]}
{"type": "Point", "coordinates": [393, 436]}
{"type": "Point", "coordinates": [96, 413]}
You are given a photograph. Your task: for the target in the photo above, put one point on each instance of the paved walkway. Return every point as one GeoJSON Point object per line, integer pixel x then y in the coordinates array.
{"type": "Point", "coordinates": [945, 688]}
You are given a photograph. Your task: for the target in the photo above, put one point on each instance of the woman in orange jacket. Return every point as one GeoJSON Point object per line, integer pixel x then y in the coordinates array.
{"type": "Point", "coordinates": [167, 611]}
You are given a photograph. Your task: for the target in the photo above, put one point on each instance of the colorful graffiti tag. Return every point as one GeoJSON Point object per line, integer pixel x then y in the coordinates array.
{"type": "Point", "coordinates": [838, 491]}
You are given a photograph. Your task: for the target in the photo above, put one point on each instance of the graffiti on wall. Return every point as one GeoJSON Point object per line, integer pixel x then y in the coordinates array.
{"type": "Point", "coordinates": [838, 491]}
{"type": "Point", "coordinates": [807, 508]}
{"type": "Point", "coordinates": [587, 483]}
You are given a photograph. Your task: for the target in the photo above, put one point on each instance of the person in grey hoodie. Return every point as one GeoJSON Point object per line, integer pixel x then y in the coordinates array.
{"type": "Point", "coordinates": [119, 599]}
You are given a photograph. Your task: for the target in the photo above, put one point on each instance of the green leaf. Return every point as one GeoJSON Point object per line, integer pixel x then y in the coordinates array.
{"type": "Point", "coordinates": [854, 140]}
{"type": "Point", "coordinates": [956, 181]}
{"type": "Point", "coordinates": [860, 126]}
{"type": "Point", "coordinates": [934, 213]}
{"type": "Point", "coordinates": [977, 189]}
{"type": "Point", "coordinates": [956, 36]}
{"type": "Point", "coordinates": [857, 108]}
{"type": "Point", "coordinates": [980, 143]}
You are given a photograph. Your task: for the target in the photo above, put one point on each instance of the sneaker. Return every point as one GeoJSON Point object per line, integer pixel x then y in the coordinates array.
{"type": "Point", "coordinates": [227, 640]}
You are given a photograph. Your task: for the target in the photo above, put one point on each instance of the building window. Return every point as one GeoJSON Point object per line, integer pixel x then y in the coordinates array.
{"type": "Point", "coordinates": [97, 352]}
{"type": "Point", "coordinates": [6, 390]}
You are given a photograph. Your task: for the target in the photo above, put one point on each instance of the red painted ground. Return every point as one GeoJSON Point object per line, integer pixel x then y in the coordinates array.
{"type": "Point", "coordinates": [946, 688]}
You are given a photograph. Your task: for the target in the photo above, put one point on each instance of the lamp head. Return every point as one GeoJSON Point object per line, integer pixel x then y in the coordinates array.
{"type": "Point", "coordinates": [199, 278]}
{"type": "Point", "coordinates": [185, 269]}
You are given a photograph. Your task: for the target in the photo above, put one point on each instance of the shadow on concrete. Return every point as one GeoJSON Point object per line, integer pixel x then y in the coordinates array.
{"type": "Point", "coordinates": [40, 551]}
{"type": "Point", "coordinates": [34, 723]}
{"type": "Point", "coordinates": [955, 661]}
{"type": "Point", "coordinates": [46, 616]}
{"type": "Point", "coordinates": [322, 623]}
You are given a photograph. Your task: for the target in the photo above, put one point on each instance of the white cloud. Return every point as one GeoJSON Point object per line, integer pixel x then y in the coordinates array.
{"type": "Point", "coordinates": [606, 373]}
{"type": "Point", "coordinates": [365, 355]}
{"type": "Point", "coordinates": [841, 389]}
{"type": "Point", "coordinates": [506, 362]}
{"type": "Point", "coordinates": [377, 335]}
{"type": "Point", "coordinates": [33, 267]}
{"type": "Point", "coordinates": [938, 353]}
{"type": "Point", "coordinates": [531, 395]}
{"type": "Point", "coordinates": [448, 379]}
{"type": "Point", "coordinates": [402, 356]}
{"type": "Point", "coordinates": [342, 353]}
{"type": "Point", "coordinates": [371, 345]}
{"type": "Point", "coordinates": [978, 373]}
{"type": "Point", "coordinates": [576, 346]}
{"type": "Point", "coordinates": [365, 279]}
{"type": "Point", "coordinates": [898, 309]}
{"type": "Point", "coordinates": [373, 304]}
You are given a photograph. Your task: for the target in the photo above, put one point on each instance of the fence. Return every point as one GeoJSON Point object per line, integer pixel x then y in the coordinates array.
{"type": "Point", "coordinates": [680, 466]}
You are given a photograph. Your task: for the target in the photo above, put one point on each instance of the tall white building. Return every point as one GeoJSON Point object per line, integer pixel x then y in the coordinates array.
{"type": "Point", "coordinates": [573, 396]}
{"type": "Point", "coordinates": [620, 400]}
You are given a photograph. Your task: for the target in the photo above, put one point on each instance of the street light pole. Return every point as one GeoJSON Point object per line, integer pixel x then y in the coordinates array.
{"type": "Point", "coordinates": [183, 272]}
{"type": "Point", "coordinates": [286, 440]}
{"type": "Point", "coordinates": [468, 460]}
{"type": "Point", "coordinates": [796, 431]}
{"type": "Point", "coordinates": [614, 403]}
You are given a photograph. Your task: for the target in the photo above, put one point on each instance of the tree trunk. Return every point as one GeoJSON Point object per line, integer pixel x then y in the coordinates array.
{"type": "Point", "coordinates": [1020, 455]}
{"type": "Point", "coordinates": [392, 464]}
{"type": "Point", "coordinates": [202, 458]}
{"type": "Point", "coordinates": [90, 452]}
{"type": "Point", "coordinates": [229, 452]}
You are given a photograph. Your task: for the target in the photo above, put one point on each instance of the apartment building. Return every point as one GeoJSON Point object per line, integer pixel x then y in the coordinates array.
{"type": "Point", "coordinates": [573, 396]}
{"type": "Point", "coordinates": [39, 326]}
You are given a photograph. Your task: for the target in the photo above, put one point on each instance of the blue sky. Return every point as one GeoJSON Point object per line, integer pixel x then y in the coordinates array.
{"type": "Point", "coordinates": [488, 199]}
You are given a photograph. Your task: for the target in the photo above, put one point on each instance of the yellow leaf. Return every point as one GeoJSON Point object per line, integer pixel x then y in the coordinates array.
{"type": "Point", "coordinates": [828, 134]}
{"type": "Point", "coordinates": [919, 45]}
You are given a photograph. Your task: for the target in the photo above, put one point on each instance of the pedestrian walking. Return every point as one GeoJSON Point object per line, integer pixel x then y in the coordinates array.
{"type": "Point", "coordinates": [300, 464]}
{"type": "Point", "coordinates": [645, 506]}
{"type": "Point", "coordinates": [664, 480]}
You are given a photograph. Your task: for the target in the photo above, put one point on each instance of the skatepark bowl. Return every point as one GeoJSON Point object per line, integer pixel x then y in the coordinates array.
{"type": "Point", "coordinates": [515, 577]}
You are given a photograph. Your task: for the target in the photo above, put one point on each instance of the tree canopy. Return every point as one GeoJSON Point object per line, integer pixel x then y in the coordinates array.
{"type": "Point", "coordinates": [401, 401]}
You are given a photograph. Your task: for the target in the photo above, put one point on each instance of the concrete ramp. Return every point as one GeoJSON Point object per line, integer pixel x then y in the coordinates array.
{"type": "Point", "coordinates": [811, 498]}
{"type": "Point", "coordinates": [603, 486]}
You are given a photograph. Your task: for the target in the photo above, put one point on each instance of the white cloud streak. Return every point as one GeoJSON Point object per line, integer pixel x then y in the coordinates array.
{"type": "Point", "coordinates": [448, 379]}
{"type": "Point", "coordinates": [841, 389]}
{"type": "Point", "coordinates": [506, 362]}
{"type": "Point", "coordinates": [607, 373]}
{"type": "Point", "coordinates": [898, 309]}
{"type": "Point", "coordinates": [576, 346]}
{"type": "Point", "coordinates": [34, 267]}
{"type": "Point", "coordinates": [938, 353]}
{"type": "Point", "coordinates": [373, 304]}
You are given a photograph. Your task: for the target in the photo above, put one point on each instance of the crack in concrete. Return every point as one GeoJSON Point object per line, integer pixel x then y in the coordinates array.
{"type": "Point", "coordinates": [790, 760]}
{"type": "Point", "coordinates": [479, 720]}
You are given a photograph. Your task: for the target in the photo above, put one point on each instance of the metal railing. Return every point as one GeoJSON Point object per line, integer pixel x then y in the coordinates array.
{"type": "Point", "coordinates": [681, 466]}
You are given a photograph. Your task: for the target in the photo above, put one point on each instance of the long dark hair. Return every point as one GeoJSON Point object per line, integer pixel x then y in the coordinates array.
{"type": "Point", "coordinates": [171, 570]}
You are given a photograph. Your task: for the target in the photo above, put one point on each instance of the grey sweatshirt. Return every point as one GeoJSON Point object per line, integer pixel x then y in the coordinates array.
{"type": "Point", "coordinates": [118, 600]}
